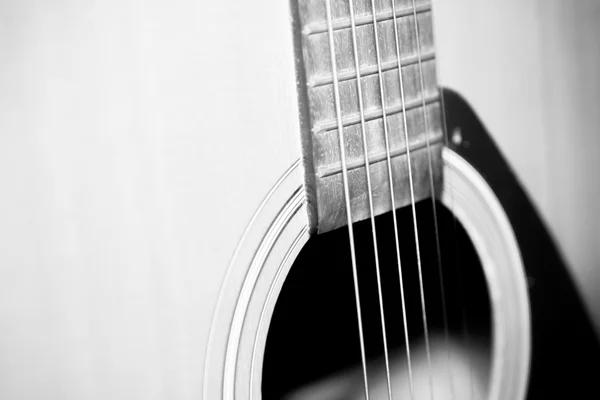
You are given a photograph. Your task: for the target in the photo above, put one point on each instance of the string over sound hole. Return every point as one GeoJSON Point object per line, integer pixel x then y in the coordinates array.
{"type": "Point", "coordinates": [313, 337]}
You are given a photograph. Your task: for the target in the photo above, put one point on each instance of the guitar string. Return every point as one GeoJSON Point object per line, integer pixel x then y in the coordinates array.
{"type": "Point", "coordinates": [412, 197]}
{"type": "Point", "coordinates": [370, 196]}
{"type": "Point", "coordinates": [431, 185]}
{"type": "Point", "coordinates": [391, 184]}
{"type": "Point", "coordinates": [462, 290]}
{"type": "Point", "coordinates": [346, 191]}
{"type": "Point", "coordinates": [459, 281]}
{"type": "Point", "coordinates": [458, 272]}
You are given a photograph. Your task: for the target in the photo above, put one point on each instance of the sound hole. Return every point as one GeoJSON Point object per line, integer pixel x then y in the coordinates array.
{"type": "Point", "coordinates": [313, 332]}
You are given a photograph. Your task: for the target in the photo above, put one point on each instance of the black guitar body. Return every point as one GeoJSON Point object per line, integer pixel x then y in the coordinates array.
{"type": "Point", "coordinates": [313, 332]}
{"type": "Point", "coordinates": [565, 351]}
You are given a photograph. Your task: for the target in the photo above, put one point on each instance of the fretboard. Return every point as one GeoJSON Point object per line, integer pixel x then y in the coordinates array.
{"type": "Point", "coordinates": [407, 48]}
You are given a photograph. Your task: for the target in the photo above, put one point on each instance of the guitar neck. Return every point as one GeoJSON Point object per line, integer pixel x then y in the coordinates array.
{"type": "Point", "coordinates": [380, 91]}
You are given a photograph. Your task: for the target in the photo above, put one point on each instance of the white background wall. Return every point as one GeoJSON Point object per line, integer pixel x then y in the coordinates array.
{"type": "Point", "coordinates": [101, 145]}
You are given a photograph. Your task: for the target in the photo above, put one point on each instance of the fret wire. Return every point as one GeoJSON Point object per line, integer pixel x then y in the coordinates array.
{"type": "Point", "coordinates": [347, 194]}
{"type": "Point", "coordinates": [319, 27]}
{"type": "Point", "coordinates": [370, 197]}
{"type": "Point", "coordinates": [354, 119]}
{"type": "Point", "coordinates": [369, 70]}
{"type": "Point", "coordinates": [412, 197]}
{"type": "Point", "coordinates": [391, 183]}
{"type": "Point", "coordinates": [376, 158]}
{"type": "Point", "coordinates": [431, 185]}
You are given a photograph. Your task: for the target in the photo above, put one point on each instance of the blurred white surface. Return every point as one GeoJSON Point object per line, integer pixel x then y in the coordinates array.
{"type": "Point", "coordinates": [128, 133]}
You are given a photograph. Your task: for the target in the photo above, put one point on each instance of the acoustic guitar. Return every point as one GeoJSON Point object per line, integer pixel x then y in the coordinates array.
{"type": "Point", "coordinates": [397, 233]}
{"type": "Point", "coordinates": [264, 200]}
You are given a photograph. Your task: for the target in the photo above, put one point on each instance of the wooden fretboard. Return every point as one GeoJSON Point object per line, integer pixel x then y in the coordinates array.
{"type": "Point", "coordinates": [320, 141]}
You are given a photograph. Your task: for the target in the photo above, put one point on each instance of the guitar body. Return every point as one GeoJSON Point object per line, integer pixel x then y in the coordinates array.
{"type": "Point", "coordinates": [167, 208]}
{"type": "Point", "coordinates": [560, 330]}
{"type": "Point", "coordinates": [565, 350]}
